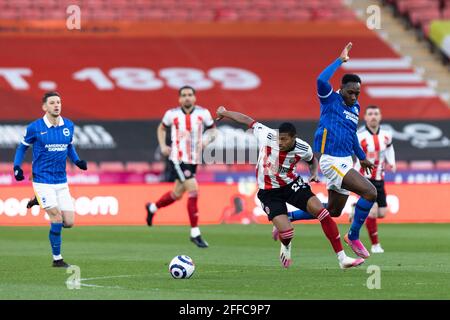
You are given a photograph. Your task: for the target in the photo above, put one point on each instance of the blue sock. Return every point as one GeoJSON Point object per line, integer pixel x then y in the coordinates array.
{"type": "Point", "coordinates": [299, 215]}
{"type": "Point", "coordinates": [362, 210]}
{"type": "Point", "coordinates": [55, 237]}
{"type": "Point", "coordinates": [302, 215]}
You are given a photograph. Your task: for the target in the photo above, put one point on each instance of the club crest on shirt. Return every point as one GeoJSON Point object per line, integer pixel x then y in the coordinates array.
{"type": "Point", "coordinates": [66, 132]}
{"type": "Point", "coordinates": [187, 173]}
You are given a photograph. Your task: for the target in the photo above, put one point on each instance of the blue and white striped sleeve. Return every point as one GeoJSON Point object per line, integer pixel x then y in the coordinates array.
{"type": "Point", "coordinates": [28, 139]}
{"type": "Point", "coordinates": [30, 136]}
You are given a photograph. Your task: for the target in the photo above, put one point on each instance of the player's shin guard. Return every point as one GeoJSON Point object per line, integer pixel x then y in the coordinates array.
{"type": "Point", "coordinates": [55, 239]}
{"type": "Point", "coordinates": [330, 229]}
{"type": "Point", "coordinates": [192, 208]}
{"type": "Point", "coordinates": [362, 210]}
{"type": "Point", "coordinates": [372, 228]}
{"type": "Point", "coordinates": [286, 236]}
{"type": "Point", "coordinates": [166, 199]}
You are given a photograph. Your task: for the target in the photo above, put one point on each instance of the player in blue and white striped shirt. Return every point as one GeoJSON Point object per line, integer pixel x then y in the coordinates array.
{"type": "Point", "coordinates": [51, 137]}
{"type": "Point", "coordinates": [337, 141]}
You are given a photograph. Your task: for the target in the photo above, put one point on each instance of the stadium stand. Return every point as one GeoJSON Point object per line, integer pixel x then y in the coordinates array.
{"type": "Point", "coordinates": [178, 10]}
{"type": "Point", "coordinates": [421, 15]}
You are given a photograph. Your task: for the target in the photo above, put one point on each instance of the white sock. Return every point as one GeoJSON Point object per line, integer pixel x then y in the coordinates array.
{"type": "Point", "coordinates": [58, 257]}
{"type": "Point", "coordinates": [341, 255]}
{"type": "Point", "coordinates": [195, 232]}
{"type": "Point", "coordinates": [153, 207]}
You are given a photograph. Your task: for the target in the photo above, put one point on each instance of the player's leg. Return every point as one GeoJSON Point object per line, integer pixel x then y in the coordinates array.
{"type": "Point", "coordinates": [336, 202]}
{"type": "Point", "coordinates": [66, 205]}
{"type": "Point", "coordinates": [286, 234]}
{"type": "Point", "coordinates": [355, 182]}
{"type": "Point", "coordinates": [371, 224]}
{"type": "Point", "coordinates": [47, 197]}
{"type": "Point", "coordinates": [165, 200]}
{"type": "Point", "coordinates": [191, 187]}
{"type": "Point", "coordinates": [273, 203]}
{"type": "Point", "coordinates": [379, 209]}
{"type": "Point", "coordinates": [304, 199]}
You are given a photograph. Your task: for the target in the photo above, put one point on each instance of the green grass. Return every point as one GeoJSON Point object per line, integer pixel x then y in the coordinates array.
{"type": "Point", "coordinates": [241, 263]}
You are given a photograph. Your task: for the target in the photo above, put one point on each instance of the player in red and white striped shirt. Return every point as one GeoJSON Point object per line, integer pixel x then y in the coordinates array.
{"type": "Point", "coordinates": [280, 151]}
{"type": "Point", "coordinates": [377, 144]}
{"type": "Point", "coordinates": [187, 123]}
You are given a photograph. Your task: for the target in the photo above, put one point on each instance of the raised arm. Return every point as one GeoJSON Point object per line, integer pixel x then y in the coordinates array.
{"type": "Point", "coordinates": [235, 116]}
{"type": "Point", "coordinates": [324, 88]}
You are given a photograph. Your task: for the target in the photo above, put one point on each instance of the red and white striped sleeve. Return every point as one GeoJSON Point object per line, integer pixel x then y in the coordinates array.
{"type": "Point", "coordinates": [167, 120]}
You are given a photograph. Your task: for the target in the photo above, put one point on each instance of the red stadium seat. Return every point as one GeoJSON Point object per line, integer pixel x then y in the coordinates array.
{"type": "Point", "coordinates": [158, 166]}
{"type": "Point", "coordinates": [111, 166]}
{"type": "Point", "coordinates": [424, 16]}
{"type": "Point", "coordinates": [421, 165]}
{"type": "Point", "coordinates": [443, 164]}
{"type": "Point", "coordinates": [216, 168]}
{"type": "Point", "coordinates": [446, 12]}
{"type": "Point", "coordinates": [6, 167]}
{"type": "Point", "coordinates": [92, 166]}
{"type": "Point", "coordinates": [402, 165]}
{"type": "Point", "coordinates": [137, 166]}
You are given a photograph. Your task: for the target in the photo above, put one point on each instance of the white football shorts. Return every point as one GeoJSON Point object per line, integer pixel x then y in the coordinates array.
{"type": "Point", "coordinates": [334, 169]}
{"type": "Point", "coordinates": [54, 195]}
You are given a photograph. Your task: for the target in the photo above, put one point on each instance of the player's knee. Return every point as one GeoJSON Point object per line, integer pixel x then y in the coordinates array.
{"type": "Point", "coordinates": [371, 194]}
{"type": "Point", "coordinates": [68, 225]}
{"type": "Point", "coordinates": [177, 195]}
{"type": "Point", "coordinates": [334, 212]}
{"type": "Point", "coordinates": [55, 216]}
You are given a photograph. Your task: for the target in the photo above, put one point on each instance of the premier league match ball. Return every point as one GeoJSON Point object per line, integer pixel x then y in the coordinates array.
{"type": "Point", "coordinates": [182, 267]}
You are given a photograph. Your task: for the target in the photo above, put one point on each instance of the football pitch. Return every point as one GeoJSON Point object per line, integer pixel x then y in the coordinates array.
{"type": "Point", "coordinates": [241, 263]}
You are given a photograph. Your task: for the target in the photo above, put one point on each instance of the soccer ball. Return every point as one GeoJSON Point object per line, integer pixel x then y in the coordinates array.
{"type": "Point", "coordinates": [182, 267]}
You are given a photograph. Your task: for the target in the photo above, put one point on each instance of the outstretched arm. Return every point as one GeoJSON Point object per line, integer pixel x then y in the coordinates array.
{"type": "Point", "coordinates": [235, 116]}
{"type": "Point", "coordinates": [324, 88]}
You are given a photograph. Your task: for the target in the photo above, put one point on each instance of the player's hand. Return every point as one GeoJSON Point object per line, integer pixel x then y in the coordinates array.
{"type": "Point", "coordinates": [367, 165]}
{"type": "Point", "coordinates": [82, 164]}
{"type": "Point", "coordinates": [165, 150]}
{"type": "Point", "coordinates": [18, 173]}
{"type": "Point", "coordinates": [220, 111]}
{"type": "Point", "coordinates": [344, 54]}
{"type": "Point", "coordinates": [314, 178]}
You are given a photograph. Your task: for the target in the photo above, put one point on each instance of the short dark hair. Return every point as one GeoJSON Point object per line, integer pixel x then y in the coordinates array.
{"type": "Point", "coordinates": [372, 106]}
{"type": "Point", "coordinates": [49, 94]}
{"type": "Point", "coordinates": [287, 127]}
{"type": "Point", "coordinates": [349, 77]}
{"type": "Point", "coordinates": [185, 87]}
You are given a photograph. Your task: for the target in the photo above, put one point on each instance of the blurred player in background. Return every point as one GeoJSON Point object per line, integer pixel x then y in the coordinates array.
{"type": "Point", "coordinates": [337, 141]}
{"type": "Point", "coordinates": [278, 184]}
{"type": "Point", "coordinates": [377, 144]}
{"type": "Point", "coordinates": [51, 137]}
{"type": "Point", "coordinates": [187, 123]}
